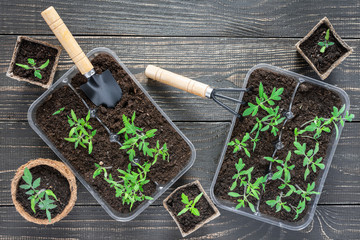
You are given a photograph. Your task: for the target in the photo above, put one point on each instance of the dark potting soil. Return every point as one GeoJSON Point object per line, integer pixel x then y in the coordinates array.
{"type": "Point", "coordinates": [50, 179]}
{"type": "Point", "coordinates": [311, 49]}
{"type": "Point", "coordinates": [188, 221]}
{"type": "Point", "coordinates": [109, 153]}
{"type": "Point", "coordinates": [40, 53]}
{"type": "Point", "coordinates": [265, 147]}
{"type": "Point", "coordinates": [310, 101]}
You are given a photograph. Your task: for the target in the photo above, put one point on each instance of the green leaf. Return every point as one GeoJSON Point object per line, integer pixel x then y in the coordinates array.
{"type": "Point", "coordinates": [330, 43]}
{"type": "Point", "coordinates": [30, 192]}
{"type": "Point", "coordinates": [50, 193]}
{"type": "Point", "coordinates": [278, 207]}
{"type": "Point", "coordinates": [251, 207]}
{"type": "Point", "coordinates": [183, 211]}
{"type": "Point", "coordinates": [73, 115]}
{"type": "Point", "coordinates": [277, 175]}
{"type": "Point", "coordinates": [198, 198]}
{"type": "Point", "coordinates": [31, 61]}
{"type": "Point", "coordinates": [36, 183]}
{"type": "Point", "coordinates": [45, 64]}
{"type": "Point", "coordinates": [287, 208]}
{"type": "Point", "coordinates": [321, 44]}
{"type": "Point", "coordinates": [195, 212]}
{"type": "Point", "coordinates": [23, 66]}
{"type": "Point", "coordinates": [234, 194]}
{"type": "Point", "coordinates": [71, 139]}
{"type": "Point", "coordinates": [59, 111]}
{"type": "Point", "coordinates": [27, 177]}
{"type": "Point", "coordinates": [322, 50]}
{"type": "Point", "coordinates": [307, 172]}
{"type": "Point", "coordinates": [48, 215]}
{"type": "Point", "coordinates": [184, 198]}
{"type": "Point", "coordinates": [261, 90]}
{"type": "Point", "coordinates": [247, 112]}
{"type": "Point", "coordinates": [37, 74]}
{"type": "Point", "coordinates": [33, 204]}
{"type": "Point", "coordinates": [25, 186]}
{"type": "Point", "coordinates": [327, 35]}
{"type": "Point", "coordinates": [90, 147]}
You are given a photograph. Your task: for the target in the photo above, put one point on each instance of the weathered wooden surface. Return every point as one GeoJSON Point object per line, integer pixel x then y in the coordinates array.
{"type": "Point", "coordinates": [256, 18]}
{"type": "Point", "coordinates": [219, 62]}
{"type": "Point", "coordinates": [91, 222]}
{"type": "Point", "coordinates": [215, 42]}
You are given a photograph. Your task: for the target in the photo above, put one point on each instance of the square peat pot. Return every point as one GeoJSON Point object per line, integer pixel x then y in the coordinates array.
{"type": "Point", "coordinates": [187, 222]}
{"type": "Point", "coordinates": [323, 63]}
{"type": "Point", "coordinates": [65, 82]}
{"type": "Point", "coordinates": [40, 51]}
{"type": "Point", "coordinates": [298, 88]}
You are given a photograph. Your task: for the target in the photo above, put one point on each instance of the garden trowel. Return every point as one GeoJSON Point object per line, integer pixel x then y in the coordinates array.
{"type": "Point", "coordinates": [100, 88]}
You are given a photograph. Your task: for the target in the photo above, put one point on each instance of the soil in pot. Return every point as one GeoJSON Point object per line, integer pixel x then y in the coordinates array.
{"type": "Point", "coordinates": [40, 53]}
{"type": "Point", "coordinates": [309, 101]}
{"type": "Point", "coordinates": [187, 220]}
{"type": "Point", "coordinates": [147, 117]}
{"type": "Point", "coordinates": [311, 49]}
{"type": "Point", "coordinates": [50, 179]}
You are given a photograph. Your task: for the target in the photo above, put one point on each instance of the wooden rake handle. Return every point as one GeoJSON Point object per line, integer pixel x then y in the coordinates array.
{"type": "Point", "coordinates": [178, 81]}
{"type": "Point", "coordinates": [67, 40]}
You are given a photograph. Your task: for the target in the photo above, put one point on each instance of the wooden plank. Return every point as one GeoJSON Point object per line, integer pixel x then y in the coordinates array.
{"type": "Point", "coordinates": [190, 18]}
{"type": "Point", "coordinates": [91, 222]}
{"type": "Point", "coordinates": [19, 143]}
{"type": "Point", "coordinates": [220, 62]}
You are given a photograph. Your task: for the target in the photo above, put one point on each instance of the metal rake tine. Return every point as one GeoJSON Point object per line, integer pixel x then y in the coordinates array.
{"type": "Point", "coordinates": [228, 98]}
{"type": "Point", "coordinates": [227, 108]}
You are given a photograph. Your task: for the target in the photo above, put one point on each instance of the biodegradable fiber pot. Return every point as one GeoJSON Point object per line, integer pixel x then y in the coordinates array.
{"type": "Point", "coordinates": [187, 222]}
{"type": "Point", "coordinates": [56, 166]}
{"type": "Point", "coordinates": [40, 51]}
{"type": "Point", "coordinates": [323, 63]}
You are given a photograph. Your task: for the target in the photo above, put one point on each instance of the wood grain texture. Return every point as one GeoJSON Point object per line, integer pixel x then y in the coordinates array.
{"type": "Point", "coordinates": [91, 222]}
{"type": "Point", "coordinates": [19, 143]}
{"type": "Point", "coordinates": [219, 62]}
{"type": "Point", "coordinates": [257, 18]}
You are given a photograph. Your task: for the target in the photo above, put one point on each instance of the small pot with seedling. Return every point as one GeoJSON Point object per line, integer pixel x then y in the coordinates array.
{"type": "Point", "coordinates": [34, 61]}
{"type": "Point", "coordinates": [323, 48]}
{"type": "Point", "coordinates": [276, 158]}
{"type": "Point", "coordinates": [190, 207]}
{"type": "Point", "coordinates": [44, 191]}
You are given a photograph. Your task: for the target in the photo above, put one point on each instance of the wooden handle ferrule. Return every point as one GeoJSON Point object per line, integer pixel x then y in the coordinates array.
{"type": "Point", "coordinates": [175, 80]}
{"type": "Point", "coordinates": [67, 40]}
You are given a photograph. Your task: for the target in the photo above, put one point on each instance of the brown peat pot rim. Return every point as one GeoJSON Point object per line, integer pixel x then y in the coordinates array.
{"type": "Point", "coordinates": [324, 75]}
{"type": "Point", "coordinates": [10, 70]}
{"type": "Point", "coordinates": [59, 166]}
{"type": "Point", "coordinates": [200, 224]}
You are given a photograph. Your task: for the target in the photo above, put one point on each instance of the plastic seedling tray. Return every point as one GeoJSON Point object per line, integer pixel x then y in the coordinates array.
{"type": "Point", "coordinates": [66, 80]}
{"type": "Point", "coordinates": [319, 183]}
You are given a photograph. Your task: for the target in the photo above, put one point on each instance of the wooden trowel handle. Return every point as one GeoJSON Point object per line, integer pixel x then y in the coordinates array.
{"type": "Point", "coordinates": [178, 81]}
{"type": "Point", "coordinates": [67, 40]}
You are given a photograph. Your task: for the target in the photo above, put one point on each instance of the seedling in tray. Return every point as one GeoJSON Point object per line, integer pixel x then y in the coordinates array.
{"type": "Point", "coordinates": [38, 196]}
{"type": "Point", "coordinates": [32, 66]}
{"type": "Point", "coordinates": [243, 177]}
{"type": "Point", "coordinates": [326, 43]}
{"type": "Point", "coordinates": [79, 134]}
{"type": "Point", "coordinates": [130, 186]}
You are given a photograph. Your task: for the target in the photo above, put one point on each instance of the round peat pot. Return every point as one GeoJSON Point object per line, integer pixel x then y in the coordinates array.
{"type": "Point", "coordinates": [49, 171]}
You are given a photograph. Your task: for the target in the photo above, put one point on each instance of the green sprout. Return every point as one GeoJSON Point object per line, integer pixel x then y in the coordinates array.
{"type": "Point", "coordinates": [309, 157]}
{"type": "Point", "coordinates": [79, 134]}
{"type": "Point", "coordinates": [262, 99]}
{"type": "Point", "coordinates": [283, 169]}
{"type": "Point", "coordinates": [278, 203]}
{"type": "Point", "coordinates": [190, 205]}
{"type": "Point", "coordinates": [326, 43]}
{"type": "Point", "coordinates": [130, 187]}
{"type": "Point", "coordinates": [320, 125]}
{"type": "Point", "coordinates": [33, 67]}
{"type": "Point", "coordinates": [59, 111]}
{"type": "Point", "coordinates": [38, 196]}
{"type": "Point", "coordinates": [250, 189]}
{"type": "Point", "coordinates": [135, 138]}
